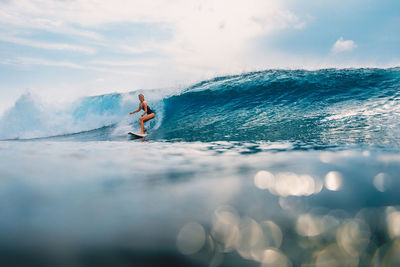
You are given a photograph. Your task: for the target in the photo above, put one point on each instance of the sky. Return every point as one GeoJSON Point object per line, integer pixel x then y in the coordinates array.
{"type": "Point", "coordinates": [64, 49]}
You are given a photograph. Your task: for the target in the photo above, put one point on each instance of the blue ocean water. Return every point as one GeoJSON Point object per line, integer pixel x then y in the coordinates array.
{"type": "Point", "coordinates": [270, 168]}
{"type": "Point", "coordinates": [318, 108]}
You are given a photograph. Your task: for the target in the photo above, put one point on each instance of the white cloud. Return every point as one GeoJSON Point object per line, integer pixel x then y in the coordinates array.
{"type": "Point", "coordinates": [67, 64]}
{"type": "Point", "coordinates": [342, 45]}
{"type": "Point", "coordinates": [140, 49]}
{"type": "Point", "coordinates": [44, 45]}
{"type": "Point", "coordinates": [39, 61]}
{"type": "Point", "coordinates": [126, 63]}
{"type": "Point", "coordinates": [213, 37]}
{"type": "Point", "coordinates": [207, 35]}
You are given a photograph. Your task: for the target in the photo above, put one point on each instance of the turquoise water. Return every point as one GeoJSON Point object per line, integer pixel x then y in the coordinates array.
{"type": "Point", "coordinates": [273, 168]}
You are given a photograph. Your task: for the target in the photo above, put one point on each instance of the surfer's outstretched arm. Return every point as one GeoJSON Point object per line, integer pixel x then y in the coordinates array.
{"type": "Point", "coordinates": [140, 106]}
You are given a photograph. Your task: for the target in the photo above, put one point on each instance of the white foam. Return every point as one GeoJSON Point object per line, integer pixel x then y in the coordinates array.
{"type": "Point", "coordinates": [30, 117]}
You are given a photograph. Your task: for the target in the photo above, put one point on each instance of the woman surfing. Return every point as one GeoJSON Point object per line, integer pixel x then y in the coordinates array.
{"type": "Point", "coordinates": [147, 110]}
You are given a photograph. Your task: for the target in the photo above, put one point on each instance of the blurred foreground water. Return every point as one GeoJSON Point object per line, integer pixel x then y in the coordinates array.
{"type": "Point", "coordinates": [132, 203]}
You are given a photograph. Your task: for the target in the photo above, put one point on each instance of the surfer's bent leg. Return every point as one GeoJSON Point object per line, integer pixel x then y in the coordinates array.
{"type": "Point", "coordinates": [142, 120]}
{"type": "Point", "coordinates": [148, 117]}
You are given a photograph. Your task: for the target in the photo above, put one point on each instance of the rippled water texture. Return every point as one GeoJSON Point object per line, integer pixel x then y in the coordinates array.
{"type": "Point", "coordinates": [202, 204]}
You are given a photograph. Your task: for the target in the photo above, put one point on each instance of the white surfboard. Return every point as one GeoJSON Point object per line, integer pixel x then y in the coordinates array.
{"type": "Point", "coordinates": [138, 135]}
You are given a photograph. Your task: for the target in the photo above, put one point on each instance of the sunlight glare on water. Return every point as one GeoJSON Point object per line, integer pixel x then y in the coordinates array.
{"type": "Point", "coordinates": [191, 238]}
{"type": "Point", "coordinates": [308, 225]}
{"type": "Point", "coordinates": [393, 223]}
{"type": "Point", "coordinates": [225, 227]}
{"type": "Point", "coordinates": [287, 183]}
{"type": "Point", "coordinates": [381, 182]}
{"type": "Point", "coordinates": [217, 204]}
{"type": "Point", "coordinates": [353, 237]}
{"type": "Point", "coordinates": [333, 180]}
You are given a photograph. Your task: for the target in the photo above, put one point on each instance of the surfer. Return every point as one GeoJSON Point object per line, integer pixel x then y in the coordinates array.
{"type": "Point", "coordinates": [147, 110]}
